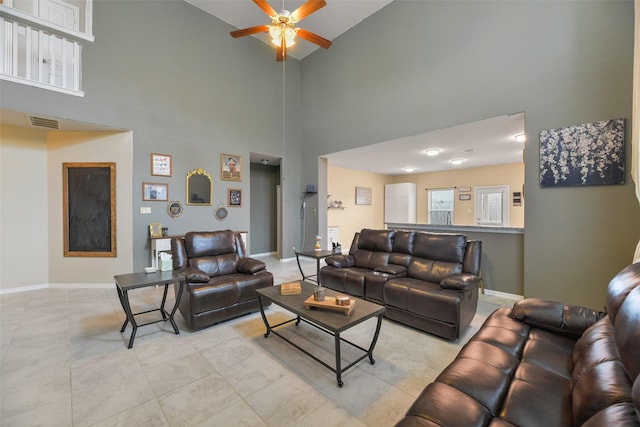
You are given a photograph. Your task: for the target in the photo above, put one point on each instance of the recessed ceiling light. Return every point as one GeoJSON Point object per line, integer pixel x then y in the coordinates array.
{"type": "Point", "coordinates": [432, 152]}
{"type": "Point", "coordinates": [409, 169]}
{"type": "Point", "coordinates": [520, 138]}
{"type": "Point", "coordinates": [456, 162]}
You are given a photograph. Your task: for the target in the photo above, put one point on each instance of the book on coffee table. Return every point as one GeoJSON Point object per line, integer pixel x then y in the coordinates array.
{"type": "Point", "coordinates": [291, 288]}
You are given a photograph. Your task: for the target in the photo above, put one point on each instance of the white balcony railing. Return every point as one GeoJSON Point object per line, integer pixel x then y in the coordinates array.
{"type": "Point", "coordinates": [39, 53]}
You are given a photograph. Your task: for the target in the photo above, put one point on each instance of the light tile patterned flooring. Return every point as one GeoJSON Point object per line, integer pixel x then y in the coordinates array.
{"type": "Point", "coordinates": [64, 362]}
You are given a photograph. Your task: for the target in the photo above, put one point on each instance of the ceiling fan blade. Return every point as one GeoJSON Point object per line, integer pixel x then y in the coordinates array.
{"type": "Point", "coordinates": [266, 7]}
{"type": "Point", "coordinates": [249, 31]}
{"type": "Point", "coordinates": [313, 38]}
{"type": "Point", "coordinates": [307, 9]}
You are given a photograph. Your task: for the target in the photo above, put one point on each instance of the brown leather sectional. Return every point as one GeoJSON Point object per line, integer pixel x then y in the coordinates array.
{"type": "Point", "coordinates": [221, 280]}
{"type": "Point", "coordinates": [425, 280]}
{"type": "Point", "coordinates": [544, 363]}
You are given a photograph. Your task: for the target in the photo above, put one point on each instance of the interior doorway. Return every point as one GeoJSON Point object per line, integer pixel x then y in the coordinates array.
{"type": "Point", "coordinates": [264, 205]}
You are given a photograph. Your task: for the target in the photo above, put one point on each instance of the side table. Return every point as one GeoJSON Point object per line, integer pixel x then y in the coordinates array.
{"type": "Point", "coordinates": [127, 282]}
{"type": "Point", "coordinates": [318, 255]}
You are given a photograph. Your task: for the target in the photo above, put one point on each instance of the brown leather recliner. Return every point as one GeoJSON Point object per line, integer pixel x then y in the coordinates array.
{"type": "Point", "coordinates": [425, 280]}
{"type": "Point", "coordinates": [221, 280]}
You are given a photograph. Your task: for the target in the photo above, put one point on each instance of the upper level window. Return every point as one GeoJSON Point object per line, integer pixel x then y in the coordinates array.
{"type": "Point", "coordinates": [41, 42]}
{"type": "Point", "coordinates": [441, 206]}
{"type": "Point", "coordinates": [492, 206]}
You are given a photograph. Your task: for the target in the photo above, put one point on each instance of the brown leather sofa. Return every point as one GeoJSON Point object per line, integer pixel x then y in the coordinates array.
{"type": "Point", "coordinates": [425, 280]}
{"type": "Point", "coordinates": [221, 280]}
{"type": "Point", "coordinates": [544, 363]}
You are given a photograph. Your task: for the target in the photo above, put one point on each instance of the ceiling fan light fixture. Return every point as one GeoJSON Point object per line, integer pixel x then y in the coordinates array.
{"type": "Point", "coordinates": [456, 162]}
{"type": "Point", "coordinates": [432, 152]}
{"type": "Point", "coordinates": [277, 32]}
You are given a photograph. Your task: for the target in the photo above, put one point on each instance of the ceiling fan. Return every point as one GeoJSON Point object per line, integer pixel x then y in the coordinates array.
{"type": "Point", "coordinates": [283, 30]}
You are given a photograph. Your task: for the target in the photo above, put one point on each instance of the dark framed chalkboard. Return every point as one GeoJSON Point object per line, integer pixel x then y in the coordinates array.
{"type": "Point", "coordinates": [89, 203]}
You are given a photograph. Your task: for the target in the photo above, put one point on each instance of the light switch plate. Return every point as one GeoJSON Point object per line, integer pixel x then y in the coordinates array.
{"type": "Point", "coordinates": [145, 210]}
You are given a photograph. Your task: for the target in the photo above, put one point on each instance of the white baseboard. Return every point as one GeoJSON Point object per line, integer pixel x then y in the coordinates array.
{"type": "Point", "coordinates": [82, 285]}
{"type": "Point", "coordinates": [57, 286]}
{"type": "Point", "coordinates": [263, 254]}
{"type": "Point", "coordinates": [23, 289]}
{"type": "Point", "coordinates": [507, 295]}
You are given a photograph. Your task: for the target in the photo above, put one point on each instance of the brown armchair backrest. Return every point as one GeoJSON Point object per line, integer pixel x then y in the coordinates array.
{"type": "Point", "coordinates": [214, 252]}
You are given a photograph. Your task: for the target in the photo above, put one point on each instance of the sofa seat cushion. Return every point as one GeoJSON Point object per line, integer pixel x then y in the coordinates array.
{"type": "Point", "coordinates": [223, 291]}
{"type": "Point", "coordinates": [440, 405]}
{"type": "Point", "coordinates": [424, 298]}
{"type": "Point", "coordinates": [538, 397]}
{"type": "Point", "coordinates": [350, 280]}
{"type": "Point", "coordinates": [549, 351]}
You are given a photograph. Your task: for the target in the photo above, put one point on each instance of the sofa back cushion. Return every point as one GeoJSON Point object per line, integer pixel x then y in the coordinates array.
{"type": "Point", "coordinates": [440, 246]}
{"type": "Point", "coordinates": [370, 259]}
{"type": "Point", "coordinates": [376, 240]}
{"type": "Point", "coordinates": [213, 252]}
{"type": "Point", "coordinates": [432, 271]}
{"type": "Point", "coordinates": [205, 243]}
{"type": "Point", "coordinates": [218, 265]}
{"type": "Point", "coordinates": [607, 356]}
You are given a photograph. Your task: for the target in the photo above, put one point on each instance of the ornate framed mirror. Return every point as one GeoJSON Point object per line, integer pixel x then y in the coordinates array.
{"type": "Point", "coordinates": [199, 188]}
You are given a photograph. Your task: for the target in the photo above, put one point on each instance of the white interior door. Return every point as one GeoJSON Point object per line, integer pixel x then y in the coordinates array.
{"type": "Point", "coordinates": [60, 13]}
{"type": "Point", "coordinates": [492, 206]}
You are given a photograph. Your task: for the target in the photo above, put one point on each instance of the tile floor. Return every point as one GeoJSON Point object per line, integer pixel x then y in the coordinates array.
{"type": "Point", "coordinates": [65, 363]}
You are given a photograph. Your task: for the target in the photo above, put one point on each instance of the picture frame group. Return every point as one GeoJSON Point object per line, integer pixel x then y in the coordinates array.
{"type": "Point", "coordinates": [230, 167]}
{"type": "Point", "coordinates": [155, 192]}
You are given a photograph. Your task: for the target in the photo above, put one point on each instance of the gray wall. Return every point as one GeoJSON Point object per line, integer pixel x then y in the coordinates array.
{"type": "Point", "coordinates": [418, 66]}
{"type": "Point", "coordinates": [175, 77]}
{"type": "Point", "coordinates": [172, 74]}
{"type": "Point", "coordinates": [263, 232]}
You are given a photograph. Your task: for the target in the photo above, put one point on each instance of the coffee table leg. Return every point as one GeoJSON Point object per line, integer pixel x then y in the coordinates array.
{"type": "Point", "coordinates": [338, 360]}
{"type": "Point", "coordinates": [374, 341]}
{"type": "Point", "coordinates": [264, 317]}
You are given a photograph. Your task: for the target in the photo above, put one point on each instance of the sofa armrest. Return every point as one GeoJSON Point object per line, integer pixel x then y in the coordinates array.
{"type": "Point", "coordinates": [393, 269]}
{"type": "Point", "coordinates": [460, 282]}
{"type": "Point", "coordinates": [251, 265]}
{"type": "Point", "coordinates": [340, 261]}
{"type": "Point", "coordinates": [568, 320]}
{"type": "Point", "coordinates": [194, 275]}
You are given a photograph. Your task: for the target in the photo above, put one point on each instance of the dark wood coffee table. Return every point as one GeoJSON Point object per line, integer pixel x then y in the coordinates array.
{"type": "Point", "coordinates": [331, 322]}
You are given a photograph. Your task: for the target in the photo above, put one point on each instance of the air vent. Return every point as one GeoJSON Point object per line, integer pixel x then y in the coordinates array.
{"type": "Point", "coordinates": [44, 122]}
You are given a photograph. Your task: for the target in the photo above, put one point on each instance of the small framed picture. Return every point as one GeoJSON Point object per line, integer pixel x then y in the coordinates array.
{"type": "Point", "coordinates": [155, 192]}
{"type": "Point", "coordinates": [155, 229]}
{"type": "Point", "coordinates": [464, 196]}
{"type": "Point", "coordinates": [363, 196]}
{"type": "Point", "coordinates": [234, 199]}
{"type": "Point", "coordinates": [160, 164]}
{"type": "Point", "coordinates": [230, 167]}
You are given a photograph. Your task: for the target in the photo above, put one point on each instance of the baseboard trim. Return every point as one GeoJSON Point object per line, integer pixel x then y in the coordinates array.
{"type": "Point", "coordinates": [23, 289]}
{"type": "Point", "coordinates": [514, 297]}
{"type": "Point", "coordinates": [57, 286]}
{"type": "Point", "coordinates": [263, 254]}
{"type": "Point", "coordinates": [82, 285]}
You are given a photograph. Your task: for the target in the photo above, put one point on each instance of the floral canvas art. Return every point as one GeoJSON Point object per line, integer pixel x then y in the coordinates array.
{"type": "Point", "coordinates": [587, 154]}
